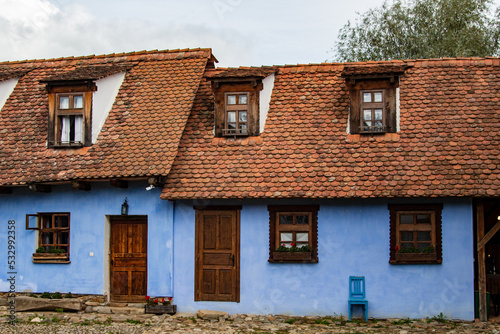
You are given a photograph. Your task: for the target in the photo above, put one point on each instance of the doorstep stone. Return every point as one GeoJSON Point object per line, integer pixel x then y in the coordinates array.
{"type": "Point", "coordinates": [116, 304]}
{"type": "Point", "coordinates": [41, 304]}
{"type": "Point", "coordinates": [103, 309]}
{"type": "Point", "coordinates": [211, 315]}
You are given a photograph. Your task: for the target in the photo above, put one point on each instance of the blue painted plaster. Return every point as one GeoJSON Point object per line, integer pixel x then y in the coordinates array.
{"type": "Point", "coordinates": [353, 238]}
{"type": "Point", "coordinates": [88, 211]}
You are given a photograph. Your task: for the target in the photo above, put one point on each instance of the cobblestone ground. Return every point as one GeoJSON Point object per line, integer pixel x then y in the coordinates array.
{"type": "Point", "coordinates": [62, 323]}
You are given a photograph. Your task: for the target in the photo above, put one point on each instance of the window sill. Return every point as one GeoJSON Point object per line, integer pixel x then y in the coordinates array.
{"type": "Point", "coordinates": [415, 258]}
{"type": "Point", "coordinates": [50, 258]}
{"type": "Point", "coordinates": [295, 257]}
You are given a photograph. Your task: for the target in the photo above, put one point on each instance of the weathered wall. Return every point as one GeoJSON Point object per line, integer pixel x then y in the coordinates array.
{"type": "Point", "coordinates": [353, 240]}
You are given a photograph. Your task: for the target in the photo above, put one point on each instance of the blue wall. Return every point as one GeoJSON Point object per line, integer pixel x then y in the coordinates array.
{"type": "Point", "coordinates": [88, 211]}
{"type": "Point", "coordinates": [353, 238]}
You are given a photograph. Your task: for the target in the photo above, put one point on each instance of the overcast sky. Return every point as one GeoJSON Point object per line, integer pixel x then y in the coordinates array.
{"type": "Point", "coordinates": [240, 32]}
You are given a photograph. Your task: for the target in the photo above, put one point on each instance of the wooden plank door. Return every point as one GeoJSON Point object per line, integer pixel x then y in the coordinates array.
{"type": "Point", "coordinates": [128, 259]}
{"type": "Point", "coordinates": [217, 276]}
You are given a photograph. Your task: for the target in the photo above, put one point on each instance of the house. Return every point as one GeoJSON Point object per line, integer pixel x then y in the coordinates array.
{"type": "Point", "coordinates": [388, 170]}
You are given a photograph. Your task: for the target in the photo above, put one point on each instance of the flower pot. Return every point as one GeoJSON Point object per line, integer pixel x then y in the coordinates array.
{"type": "Point", "coordinates": [410, 258]}
{"type": "Point", "coordinates": [292, 257]}
{"type": "Point", "coordinates": [161, 309]}
{"type": "Point", "coordinates": [50, 258]}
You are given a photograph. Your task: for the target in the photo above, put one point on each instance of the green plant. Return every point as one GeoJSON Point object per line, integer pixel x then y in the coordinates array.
{"type": "Point", "coordinates": [293, 248]}
{"type": "Point", "coordinates": [56, 319]}
{"type": "Point", "coordinates": [439, 318]}
{"type": "Point", "coordinates": [68, 295]}
{"type": "Point", "coordinates": [322, 322]}
{"type": "Point", "coordinates": [33, 295]}
{"type": "Point", "coordinates": [40, 249]}
{"type": "Point", "coordinates": [290, 321]}
{"type": "Point", "coordinates": [134, 322]}
{"type": "Point", "coordinates": [428, 250]}
{"type": "Point", "coordinates": [46, 295]}
{"type": "Point", "coordinates": [59, 310]}
{"type": "Point", "coordinates": [409, 250]}
{"type": "Point", "coordinates": [85, 322]}
{"type": "Point", "coordinates": [401, 322]}
{"type": "Point", "coordinates": [56, 295]}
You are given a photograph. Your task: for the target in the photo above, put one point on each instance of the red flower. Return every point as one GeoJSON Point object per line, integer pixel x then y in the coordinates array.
{"type": "Point", "coordinates": [292, 244]}
{"type": "Point", "coordinates": [396, 248]}
{"type": "Point", "coordinates": [163, 300]}
{"type": "Point", "coordinates": [170, 298]}
{"type": "Point", "coordinates": [147, 298]}
{"type": "Point", "coordinates": [283, 245]}
{"type": "Point", "coordinates": [155, 301]}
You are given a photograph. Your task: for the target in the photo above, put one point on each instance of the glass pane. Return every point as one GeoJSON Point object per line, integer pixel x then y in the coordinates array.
{"type": "Point", "coordinates": [286, 219]}
{"type": "Point", "coordinates": [243, 126]}
{"type": "Point", "coordinates": [243, 116]}
{"type": "Point", "coordinates": [63, 238]}
{"type": "Point", "coordinates": [231, 125]}
{"type": "Point", "coordinates": [47, 238]}
{"type": "Point", "coordinates": [377, 97]}
{"type": "Point", "coordinates": [61, 221]}
{"type": "Point", "coordinates": [378, 114]}
{"type": "Point", "coordinates": [367, 97]}
{"type": "Point", "coordinates": [406, 219]}
{"type": "Point", "coordinates": [367, 114]}
{"type": "Point", "coordinates": [231, 99]}
{"type": "Point", "coordinates": [406, 245]}
{"type": "Point", "coordinates": [302, 219]}
{"type": "Point", "coordinates": [423, 236]}
{"type": "Point", "coordinates": [286, 236]}
{"type": "Point", "coordinates": [243, 99]}
{"type": "Point", "coordinates": [78, 102]}
{"type": "Point", "coordinates": [46, 221]}
{"type": "Point", "coordinates": [406, 236]}
{"type": "Point", "coordinates": [423, 245]}
{"type": "Point", "coordinates": [64, 102]}
{"type": "Point", "coordinates": [231, 116]}
{"type": "Point", "coordinates": [304, 237]}
{"type": "Point", "coordinates": [423, 219]}
{"type": "Point", "coordinates": [378, 124]}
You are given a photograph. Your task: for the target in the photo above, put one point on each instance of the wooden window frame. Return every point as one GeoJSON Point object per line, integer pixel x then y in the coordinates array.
{"type": "Point", "coordinates": [275, 228]}
{"type": "Point", "coordinates": [223, 88]}
{"type": "Point", "coordinates": [55, 113]}
{"type": "Point", "coordinates": [237, 108]}
{"type": "Point", "coordinates": [56, 231]}
{"type": "Point", "coordinates": [434, 210]}
{"type": "Point", "coordinates": [388, 87]}
{"type": "Point", "coordinates": [372, 106]}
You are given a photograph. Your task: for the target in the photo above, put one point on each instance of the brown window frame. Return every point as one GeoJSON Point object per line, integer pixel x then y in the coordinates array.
{"type": "Point", "coordinates": [388, 87]}
{"type": "Point", "coordinates": [40, 219]}
{"type": "Point", "coordinates": [237, 108]}
{"type": "Point", "coordinates": [372, 106]}
{"type": "Point", "coordinates": [275, 230]}
{"type": "Point", "coordinates": [56, 114]}
{"type": "Point", "coordinates": [400, 254]}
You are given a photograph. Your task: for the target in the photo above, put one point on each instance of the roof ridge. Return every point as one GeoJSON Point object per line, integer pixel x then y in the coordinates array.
{"type": "Point", "coordinates": [110, 55]}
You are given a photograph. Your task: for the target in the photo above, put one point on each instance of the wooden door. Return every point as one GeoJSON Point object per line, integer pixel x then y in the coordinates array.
{"type": "Point", "coordinates": [128, 259]}
{"type": "Point", "coordinates": [217, 276]}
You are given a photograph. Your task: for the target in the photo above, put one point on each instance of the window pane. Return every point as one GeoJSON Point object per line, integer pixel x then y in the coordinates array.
{"type": "Point", "coordinates": [424, 236]}
{"type": "Point", "coordinates": [243, 99]}
{"type": "Point", "coordinates": [367, 97]}
{"type": "Point", "coordinates": [367, 114]}
{"type": "Point", "coordinates": [46, 221]}
{"type": "Point", "coordinates": [378, 114]}
{"type": "Point", "coordinates": [62, 238]}
{"type": "Point", "coordinates": [304, 237]}
{"type": "Point", "coordinates": [64, 102]}
{"type": "Point", "coordinates": [243, 116]}
{"type": "Point", "coordinates": [61, 221]}
{"type": "Point", "coordinates": [286, 236]}
{"type": "Point", "coordinates": [406, 219]}
{"type": "Point", "coordinates": [423, 245]}
{"type": "Point", "coordinates": [406, 236]}
{"type": "Point", "coordinates": [406, 245]}
{"type": "Point", "coordinates": [231, 116]}
{"type": "Point", "coordinates": [377, 97]}
{"type": "Point", "coordinates": [302, 219]}
{"type": "Point", "coordinates": [423, 219]}
{"type": "Point", "coordinates": [231, 125]}
{"type": "Point", "coordinates": [242, 126]}
{"type": "Point", "coordinates": [231, 99]}
{"type": "Point", "coordinates": [286, 219]}
{"type": "Point", "coordinates": [78, 102]}
{"type": "Point", "coordinates": [47, 238]}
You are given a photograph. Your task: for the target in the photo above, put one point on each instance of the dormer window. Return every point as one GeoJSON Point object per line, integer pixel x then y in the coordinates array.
{"type": "Point", "coordinates": [236, 110]}
{"type": "Point", "coordinates": [70, 115]}
{"type": "Point", "coordinates": [373, 95]}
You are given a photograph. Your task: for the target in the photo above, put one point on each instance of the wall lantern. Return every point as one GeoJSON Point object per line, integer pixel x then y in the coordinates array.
{"type": "Point", "coordinates": [125, 207]}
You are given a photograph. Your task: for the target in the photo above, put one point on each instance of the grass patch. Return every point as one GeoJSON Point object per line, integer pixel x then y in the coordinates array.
{"type": "Point", "coordinates": [290, 321]}
{"type": "Point", "coordinates": [439, 318]}
{"type": "Point", "coordinates": [133, 322]}
{"type": "Point", "coordinates": [405, 321]}
{"type": "Point", "coordinates": [322, 322]}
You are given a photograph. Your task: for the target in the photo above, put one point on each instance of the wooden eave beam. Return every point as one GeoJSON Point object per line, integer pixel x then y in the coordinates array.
{"type": "Point", "coordinates": [118, 183]}
{"type": "Point", "coordinates": [41, 188]}
{"type": "Point", "coordinates": [157, 181]}
{"type": "Point", "coordinates": [80, 185]}
{"type": "Point", "coordinates": [5, 190]}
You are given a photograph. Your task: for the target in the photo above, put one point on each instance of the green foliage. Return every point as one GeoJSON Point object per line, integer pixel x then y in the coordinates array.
{"type": "Point", "coordinates": [33, 295]}
{"type": "Point", "coordinates": [439, 318]}
{"type": "Point", "coordinates": [46, 295]}
{"type": "Point", "coordinates": [290, 321]}
{"type": "Point", "coordinates": [402, 322]}
{"type": "Point", "coordinates": [292, 249]}
{"type": "Point", "coordinates": [413, 29]}
{"type": "Point", "coordinates": [56, 295]}
{"type": "Point", "coordinates": [40, 249]}
{"type": "Point", "coordinates": [428, 250]}
{"type": "Point", "coordinates": [133, 322]}
{"type": "Point", "coordinates": [52, 250]}
{"type": "Point", "coordinates": [59, 310]}
{"type": "Point", "coordinates": [322, 322]}
{"type": "Point", "coordinates": [409, 250]}
{"type": "Point", "coordinates": [68, 295]}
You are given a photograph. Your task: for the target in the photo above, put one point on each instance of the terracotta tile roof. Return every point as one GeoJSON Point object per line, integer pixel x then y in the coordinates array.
{"type": "Point", "coordinates": [448, 143]}
{"type": "Point", "coordinates": [364, 69]}
{"type": "Point", "coordinates": [94, 72]}
{"type": "Point", "coordinates": [244, 72]}
{"type": "Point", "coordinates": [140, 135]}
